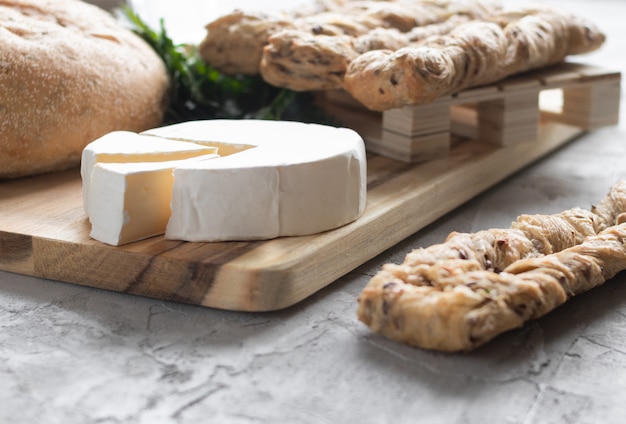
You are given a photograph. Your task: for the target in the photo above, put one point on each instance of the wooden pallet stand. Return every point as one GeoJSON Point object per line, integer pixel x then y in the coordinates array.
{"type": "Point", "coordinates": [501, 114]}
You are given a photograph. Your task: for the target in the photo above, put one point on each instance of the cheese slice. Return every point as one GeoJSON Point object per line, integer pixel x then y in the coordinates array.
{"type": "Point", "coordinates": [129, 201]}
{"type": "Point", "coordinates": [274, 179]}
{"type": "Point", "coordinates": [298, 179]}
{"type": "Point", "coordinates": [130, 147]}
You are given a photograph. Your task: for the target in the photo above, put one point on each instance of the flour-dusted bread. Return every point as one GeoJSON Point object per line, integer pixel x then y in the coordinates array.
{"type": "Point", "coordinates": [70, 73]}
{"type": "Point", "coordinates": [458, 295]}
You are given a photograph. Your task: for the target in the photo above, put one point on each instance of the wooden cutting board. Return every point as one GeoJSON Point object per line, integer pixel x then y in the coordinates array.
{"type": "Point", "coordinates": [45, 233]}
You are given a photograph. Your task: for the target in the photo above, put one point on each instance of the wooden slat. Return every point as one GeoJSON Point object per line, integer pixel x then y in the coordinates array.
{"type": "Point", "coordinates": [512, 119]}
{"type": "Point", "coordinates": [476, 94]}
{"type": "Point", "coordinates": [420, 119]}
{"type": "Point", "coordinates": [507, 112]}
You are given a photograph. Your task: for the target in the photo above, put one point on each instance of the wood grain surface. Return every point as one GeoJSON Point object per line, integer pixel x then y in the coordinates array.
{"type": "Point", "coordinates": [44, 231]}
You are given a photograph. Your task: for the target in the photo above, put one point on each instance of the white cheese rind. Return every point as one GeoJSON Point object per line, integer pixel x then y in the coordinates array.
{"type": "Point", "coordinates": [224, 204]}
{"type": "Point", "coordinates": [277, 179]}
{"type": "Point", "coordinates": [299, 179]}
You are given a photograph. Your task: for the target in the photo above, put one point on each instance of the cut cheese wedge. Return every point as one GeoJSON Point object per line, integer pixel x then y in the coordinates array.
{"type": "Point", "coordinates": [126, 146]}
{"type": "Point", "coordinates": [130, 201]}
{"type": "Point", "coordinates": [276, 179]}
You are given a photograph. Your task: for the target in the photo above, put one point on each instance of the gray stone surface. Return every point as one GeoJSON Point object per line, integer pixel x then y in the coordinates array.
{"type": "Point", "coordinates": [70, 354]}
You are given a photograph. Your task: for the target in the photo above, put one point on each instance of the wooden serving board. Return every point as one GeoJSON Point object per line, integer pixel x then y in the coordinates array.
{"type": "Point", "coordinates": [45, 233]}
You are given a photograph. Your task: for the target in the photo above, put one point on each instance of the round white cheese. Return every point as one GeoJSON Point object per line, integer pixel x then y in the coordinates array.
{"type": "Point", "coordinates": [293, 179]}
{"type": "Point", "coordinates": [269, 179]}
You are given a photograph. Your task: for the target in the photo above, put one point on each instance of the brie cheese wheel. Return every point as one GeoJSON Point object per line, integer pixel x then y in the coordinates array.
{"type": "Point", "coordinates": [126, 146]}
{"type": "Point", "coordinates": [292, 179]}
{"type": "Point", "coordinates": [271, 179]}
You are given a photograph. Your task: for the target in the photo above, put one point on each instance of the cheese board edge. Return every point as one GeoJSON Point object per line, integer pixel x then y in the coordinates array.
{"type": "Point", "coordinates": [278, 273]}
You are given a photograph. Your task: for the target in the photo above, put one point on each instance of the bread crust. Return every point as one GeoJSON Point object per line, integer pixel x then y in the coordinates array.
{"type": "Point", "coordinates": [475, 53]}
{"type": "Point", "coordinates": [302, 61]}
{"type": "Point", "coordinates": [69, 74]}
{"type": "Point", "coordinates": [460, 294]}
{"type": "Point", "coordinates": [234, 43]}
{"type": "Point", "coordinates": [389, 54]}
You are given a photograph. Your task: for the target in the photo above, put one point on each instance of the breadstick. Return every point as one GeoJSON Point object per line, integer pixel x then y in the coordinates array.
{"type": "Point", "coordinates": [406, 15]}
{"type": "Point", "coordinates": [464, 311]}
{"type": "Point", "coordinates": [234, 42]}
{"type": "Point", "coordinates": [496, 249]}
{"type": "Point", "coordinates": [475, 53]}
{"type": "Point", "coordinates": [302, 61]}
{"type": "Point", "coordinates": [453, 297]}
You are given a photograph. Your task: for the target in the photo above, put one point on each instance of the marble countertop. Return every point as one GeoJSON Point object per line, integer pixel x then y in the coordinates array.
{"type": "Point", "coordinates": [71, 354]}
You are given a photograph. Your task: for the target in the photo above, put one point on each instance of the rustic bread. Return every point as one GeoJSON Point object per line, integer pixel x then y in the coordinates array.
{"type": "Point", "coordinates": [302, 61]}
{"type": "Point", "coordinates": [458, 295]}
{"type": "Point", "coordinates": [69, 74]}
{"type": "Point", "coordinates": [389, 54]}
{"type": "Point", "coordinates": [234, 43]}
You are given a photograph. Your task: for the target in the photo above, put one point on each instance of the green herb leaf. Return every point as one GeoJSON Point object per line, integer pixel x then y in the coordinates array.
{"type": "Point", "coordinates": [199, 91]}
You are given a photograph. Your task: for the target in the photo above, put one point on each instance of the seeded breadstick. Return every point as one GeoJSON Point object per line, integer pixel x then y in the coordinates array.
{"type": "Point", "coordinates": [496, 249]}
{"type": "Point", "coordinates": [303, 61]}
{"type": "Point", "coordinates": [464, 311]}
{"type": "Point", "coordinates": [234, 42]}
{"type": "Point", "coordinates": [405, 15]}
{"type": "Point", "coordinates": [461, 293]}
{"type": "Point", "coordinates": [475, 53]}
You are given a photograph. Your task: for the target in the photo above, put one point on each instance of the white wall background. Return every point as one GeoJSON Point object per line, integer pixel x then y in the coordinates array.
{"type": "Point", "coordinates": [185, 19]}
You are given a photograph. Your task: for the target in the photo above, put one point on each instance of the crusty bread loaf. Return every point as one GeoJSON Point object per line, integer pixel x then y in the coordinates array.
{"type": "Point", "coordinates": [70, 73]}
